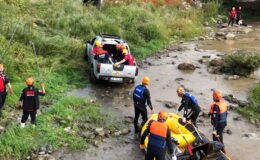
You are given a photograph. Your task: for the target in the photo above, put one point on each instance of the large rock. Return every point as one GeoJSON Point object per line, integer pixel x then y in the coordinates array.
{"type": "Point", "coordinates": [216, 62]}
{"type": "Point", "coordinates": [245, 30]}
{"type": "Point", "coordinates": [186, 66]}
{"type": "Point", "coordinates": [230, 36]}
{"type": "Point", "coordinates": [220, 34]}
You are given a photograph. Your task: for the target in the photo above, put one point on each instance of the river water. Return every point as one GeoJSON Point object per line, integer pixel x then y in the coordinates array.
{"type": "Point", "coordinates": [163, 74]}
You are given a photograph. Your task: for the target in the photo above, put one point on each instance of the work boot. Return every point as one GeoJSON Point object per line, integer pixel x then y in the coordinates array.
{"type": "Point", "coordinates": [22, 125]}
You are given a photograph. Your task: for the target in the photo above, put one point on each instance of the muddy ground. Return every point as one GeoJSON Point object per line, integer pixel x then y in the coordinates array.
{"type": "Point", "coordinates": [165, 78]}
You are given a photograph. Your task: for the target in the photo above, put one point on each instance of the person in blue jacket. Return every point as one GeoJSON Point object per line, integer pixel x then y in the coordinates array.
{"type": "Point", "coordinates": [190, 106]}
{"type": "Point", "coordinates": [141, 97]}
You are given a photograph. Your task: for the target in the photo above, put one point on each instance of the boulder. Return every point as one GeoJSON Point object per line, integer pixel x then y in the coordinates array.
{"type": "Point", "coordinates": [216, 62]}
{"type": "Point", "coordinates": [186, 66]}
{"type": "Point", "coordinates": [230, 36]}
{"type": "Point", "coordinates": [230, 98]}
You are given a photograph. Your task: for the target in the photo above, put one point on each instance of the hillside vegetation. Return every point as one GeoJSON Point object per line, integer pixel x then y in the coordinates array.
{"type": "Point", "coordinates": [59, 30]}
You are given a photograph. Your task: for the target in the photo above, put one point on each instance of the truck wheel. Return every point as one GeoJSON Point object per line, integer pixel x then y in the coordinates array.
{"type": "Point", "coordinates": [92, 77]}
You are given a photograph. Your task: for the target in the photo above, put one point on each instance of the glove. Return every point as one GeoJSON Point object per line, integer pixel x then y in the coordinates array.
{"type": "Point", "coordinates": [42, 85]}
{"type": "Point", "coordinates": [141, 146]}
{"type": "Point", "coordinates": [184, 120]}
{"type": "Point", "coordinates": [11, 90]}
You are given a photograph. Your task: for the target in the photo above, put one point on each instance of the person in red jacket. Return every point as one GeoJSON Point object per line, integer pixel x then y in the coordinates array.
{"type": "Point", "coordinates": [232, 16]}
{"type": "Point", "coordinates": [4, 81]}
{"type": "Point", "coordinates": [100, 54]}
{"type": "Point", "coordinates": [128, 59]}
{"type": "Point", "coordinates": [30, 101]}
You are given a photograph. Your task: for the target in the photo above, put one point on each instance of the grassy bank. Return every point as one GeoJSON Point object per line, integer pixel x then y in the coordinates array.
{"type": "Point", "coordinates": [252, 112]}
{"type": "Point", "coordinates": [59, 30]}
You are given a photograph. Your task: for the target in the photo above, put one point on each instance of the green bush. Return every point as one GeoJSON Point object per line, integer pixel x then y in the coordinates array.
{"type": "Point", "coordinates": [241, 63]}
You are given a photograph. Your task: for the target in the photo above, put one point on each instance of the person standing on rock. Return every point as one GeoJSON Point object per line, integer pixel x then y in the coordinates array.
{"type": "Point", "coordinates": [4, 81]}
{"type": "Point", "coordinates": [238, 17]}
{"type": "Point", "coordinates": [190, 106]}
{"type": "Point", "coordinates": [232, 16]}
{"type": "Point", "coordinates": [29, 101]}
{"type": "Point", "coordinates": [218, 114]}
{"type": "Point", "coordinates": [159, 138]}
{"type": "Point", "coordinates": [141, 96]}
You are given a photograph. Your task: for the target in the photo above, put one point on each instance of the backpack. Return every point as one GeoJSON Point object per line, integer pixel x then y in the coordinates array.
{"type": "Point", "coordinates": [138, 93]}
{"type": "Point", "coordinates": [193, 99]}
{"type": "Point", "coordinates": [2, 83]}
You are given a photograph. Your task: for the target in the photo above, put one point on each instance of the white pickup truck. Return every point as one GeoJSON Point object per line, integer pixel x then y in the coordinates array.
{"type": "Point", "coordinates": [107, 71]}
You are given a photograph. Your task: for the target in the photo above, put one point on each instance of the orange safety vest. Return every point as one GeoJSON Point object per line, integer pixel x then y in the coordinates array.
{"type": "Point", "coordinates": [222, 110]}
{"type": "Point", "coordinates": [158, 134]}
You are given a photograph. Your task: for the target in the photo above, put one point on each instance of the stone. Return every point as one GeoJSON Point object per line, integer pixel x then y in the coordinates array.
{"type": "Point", "coordinates": [249, 135]}
{"type": "Point", "coordinates": [179, 79]}
{"type": "Point", "coordinates": [49, 149]}
{"type": "Point", "coordinates": [206, 24]}
{"type": "Point", "coordinates": [245, 30]}
{"type": "Point", "coordinates": [42, 150]}
{"type": "Point", "coordinates": [129, 119]}
{"type": "Point", "coordinates": [229, 132]}
{"type": "Point", "coordinates": [45, 157]}
{"type": "Point", "coordinates": [216, 62]}
{"type": "Point", "coordinates": [201, 38]}
{"type": "Point", "coordinates": [230, 36]}
{"type": "Point", "coordinates": [220, 34]}
{"type": "Point", "coordinates": [203, 60]}
{"type": "Point", "coordinates": [230, 98]}
{"type": "Point", "coordinates": [100, 132]}
{"type": "Point", "coordinates": [232, 77]}
{"type": "Point", "coordinates": [242, 103]}
{"type": "Point", "coordinates": [96, 143]}
{"type": "Point", "coordinates": [68, 130]}
{"type": "Point", "coordinates": [118, 133]}
{"type": "Point", "coordinates": [173, 62]}
{"type": "Point", "coordinates": [237, 118]}
{"type": "Point", "coordinates": [171, 105]}
{"type": "Point", "coordinates": [125, 131]}
{"type": "Point", "coordinates": [186, 66]}
{"type": "Point", "coordinates": [181, 48]}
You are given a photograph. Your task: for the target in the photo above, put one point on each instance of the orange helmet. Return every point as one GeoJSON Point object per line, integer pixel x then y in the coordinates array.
{"type": "Point", "coordinates": [217, 95]}
{"type": "Point", "coordinates": [29, 81]}
{"type": "Point", "coordinates": [180, 90]}
{"type": "Point", "coordinates": [162, 115]}
{"type": "Point", "coordinates": [146, 80]}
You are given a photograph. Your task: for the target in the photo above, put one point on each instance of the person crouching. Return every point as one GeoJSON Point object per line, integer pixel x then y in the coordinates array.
{"type": "Point", "coordinates": [29, 101]}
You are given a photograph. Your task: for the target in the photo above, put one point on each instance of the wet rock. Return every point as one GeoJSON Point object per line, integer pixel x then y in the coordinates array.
{"type": "Point", "coordinates": [179, 79]}
{"type": "Point", "coordinates": [216, 62]}
{"type": "Point", "coordinates": [186, 66]}
{"type": "Point", "coordinates": [229, 132]}
{"type": "Point", "coordinates": [49, 149]}
{"type": "Point", "coordinates": [230, 98]}
{"type": "Point", "coordinates": [167, 55]}
{"type": "Point", "coordinates": [182, 48]}
{"type": "Point", "coordinates": [201, 38]}
{"type": "Point", "coordinates": [230, 36]}
{"type": "Point", "coordinates": [93, 101]}
{"type": "Point", "coordinates": [125, 131]}
{"type": "Point", "coordinates": [200, 121]}
{"type": "Point", "coordinates": [232, 77]}
{"type": "Point", "coordinates": [96, 143]}
{"type": "Point", "coordinates": [237, 118]}
{"type": "Point", "coordinates": [214, 70]}
{"type": "Point", "coordinates": [243, 103]}
{"type": "Point", "coordinates": [220, 34]}
{"type": "Point", "coordinates": [127, 141]}
{"type": "Point", "coordinates": [249, 135]}
{"type": "Point", "coordinates": [173, 62]}
{"type": "Point", "coordinates": [2, 129]}
{"type": "Point", "coordinates": [206, 56]}
{"type": "Point", "coordinates": [171, 105]}
{"type": "Point", "coordinates": [85, 134]}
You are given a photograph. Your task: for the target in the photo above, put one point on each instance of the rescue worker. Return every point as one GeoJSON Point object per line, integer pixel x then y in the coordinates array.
{"type": "Point", "coordinates": [218, 113]}
{"type": "Point", "coordinates": [100, 54]}
{"type": "Point", "coordinates": [29, 101]}
{"type": "Point", "coordinates": [232, 16]}
{"type": "Point", "coordinates": [119, 55]}
{"type": "Point", "coordinates": [4, 81]}
{"type": "Point", "coordinates": [128, 59]}
{"type": "Point", "coordinates": [190, 106]}
{"type": "Point", "coordinates": [141, 97]}
{"type": "Point", "coordinates": [238, 17]}
{"type": "Point", "coordinates": [159, 138]}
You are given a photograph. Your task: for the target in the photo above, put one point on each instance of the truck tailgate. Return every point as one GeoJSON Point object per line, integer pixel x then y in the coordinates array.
{"type": "Point", "coordinates": [122, 71]}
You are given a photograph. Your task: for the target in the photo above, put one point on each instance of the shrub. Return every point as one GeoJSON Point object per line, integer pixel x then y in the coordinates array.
{"type": "Point", "coordinates": [241, 63]}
